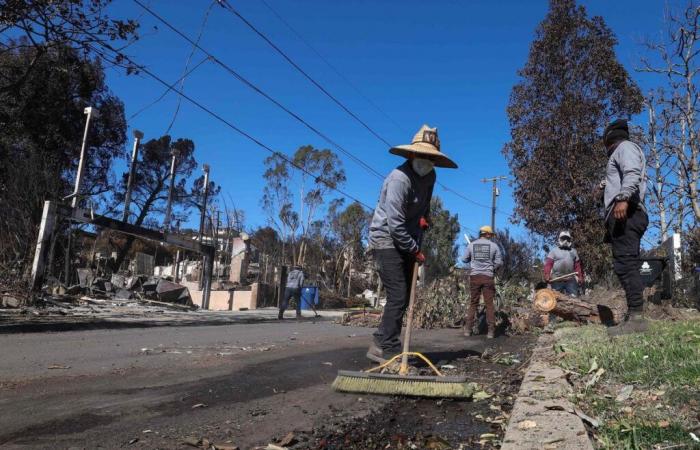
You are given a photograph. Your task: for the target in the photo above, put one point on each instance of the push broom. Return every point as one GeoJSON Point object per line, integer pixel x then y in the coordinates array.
{"type": "Point", "coordinates": [373, 382]}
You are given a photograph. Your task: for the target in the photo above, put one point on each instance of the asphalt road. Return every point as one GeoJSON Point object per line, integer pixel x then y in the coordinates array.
{"type": "Point", "coordinates": [248, 384]}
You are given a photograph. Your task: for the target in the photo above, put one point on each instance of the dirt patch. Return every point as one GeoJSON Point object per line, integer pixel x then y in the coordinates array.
{"type": "Point", "coordinates": [406, 423]}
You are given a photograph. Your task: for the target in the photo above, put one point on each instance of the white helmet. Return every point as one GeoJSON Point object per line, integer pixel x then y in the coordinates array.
{"type": "Point", "coordinates": [565, 239]}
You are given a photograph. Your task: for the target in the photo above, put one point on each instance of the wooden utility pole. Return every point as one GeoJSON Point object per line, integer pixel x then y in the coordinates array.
{"type": "Point", "coordinates": [495, 193]}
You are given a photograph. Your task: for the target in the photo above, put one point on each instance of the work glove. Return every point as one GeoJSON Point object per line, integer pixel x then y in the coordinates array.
{"type": "Point", "coordinates": [423, 223]}
{"type": "Point", "coordinates": [420, 257]}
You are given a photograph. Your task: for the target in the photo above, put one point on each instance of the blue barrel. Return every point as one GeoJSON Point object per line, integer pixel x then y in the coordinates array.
{"type": "Point", "coordinates": [309, 297]}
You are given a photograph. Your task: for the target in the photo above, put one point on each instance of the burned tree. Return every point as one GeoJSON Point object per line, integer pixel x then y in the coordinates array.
{"type": "Point", "coordinates": [49, 26]}
{"type": "Point", "coordinates": [676, 159]}
{"type": "Point", "coordinates": [47, 77]}
{"type": "Point", "coordinates": [42, 124]}
{"type": "Point", "coordinates": [571, 86]}
{"type": "Point", "coordinates": [151, 183]}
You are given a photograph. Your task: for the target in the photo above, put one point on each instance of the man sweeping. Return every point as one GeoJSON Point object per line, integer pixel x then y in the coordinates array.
{"type": "Point", "coordinates": [295, 280]}
{"type": "Point", "coordinates": [564, 266]}
{"type": "Point", "coordinates": [626, 218]}
{"type": "Point", "coordinates": [398, 223]}
{"type": "Point", "coordinates": [484, 257]}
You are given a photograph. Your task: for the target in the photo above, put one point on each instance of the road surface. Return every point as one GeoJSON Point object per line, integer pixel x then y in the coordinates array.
{"type": "Point", "coordinates": [246, 384]}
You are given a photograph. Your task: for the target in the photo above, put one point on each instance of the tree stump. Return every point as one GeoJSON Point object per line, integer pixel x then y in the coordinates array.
{"type": "Point", "coordinates": [576, 309]}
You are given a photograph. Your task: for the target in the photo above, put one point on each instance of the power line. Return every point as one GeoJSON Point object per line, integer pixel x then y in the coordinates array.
{"type": "Point", "coordinates": [257, 89]}
{"type": "Point", "coordinates": [187, 64]}
{"type": "Point", "coordinates": [333, 68]}
{"type": "Point", "coordinates": [218, 117]}
{"type": "Point", "coordinates": [226, 5]}
{"type": "Point", "coordinates": [168, 90]}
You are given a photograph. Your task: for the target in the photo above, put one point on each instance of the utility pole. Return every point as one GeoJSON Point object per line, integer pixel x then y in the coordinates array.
{"type": "Point", "coordinates": [205, 194]}
{"type": "Point", "coordinates": [205, 260]}
{"type": "Point", "coordinates": [132, 174]}
{"type": "Point", "coordinates": [168, 208]}
{"type": "Point", "coordinates": [90, 112]}
{"type": "Point", "coordinates": [495, 193]}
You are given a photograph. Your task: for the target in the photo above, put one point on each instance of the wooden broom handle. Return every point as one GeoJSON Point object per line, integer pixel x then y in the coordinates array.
{"type": "Point", "coordinates": [403, 370]}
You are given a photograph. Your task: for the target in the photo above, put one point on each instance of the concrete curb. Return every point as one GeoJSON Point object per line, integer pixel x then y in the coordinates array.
{"type": "Point", "coordinates": [542, 416]}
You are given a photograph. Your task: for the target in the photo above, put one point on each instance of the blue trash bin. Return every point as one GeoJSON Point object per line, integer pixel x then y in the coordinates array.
{"type": "Point", "coordinates": [309, 297]}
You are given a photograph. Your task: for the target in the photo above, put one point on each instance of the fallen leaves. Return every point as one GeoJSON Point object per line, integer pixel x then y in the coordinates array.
{"type": "Point", "coordinates": [289, 439]}
{"type": "Point", "coordinates": [481, 395]}
{"type": "Point", "coordinates": [595, 378]}
{"type": "Point", "coordinates": [58, 367]}
{"type": "Point", "coordinates": [586, 418]}
{"type": "Point", "coordinates": [624, 394]}
{"type": "Point", "coordinates": [527, 424]}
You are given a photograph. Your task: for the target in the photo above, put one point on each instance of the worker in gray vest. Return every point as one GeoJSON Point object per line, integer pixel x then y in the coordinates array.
{"type": "Point", "coordinates": [398, 223]}
{"type": "Point", "coordinates": [626, 218]}
{"type": "Point", "coordinates": [484, 257]}
{"type": "Point", "coordinates": [295, 281]}
{"type": "Point", "coordinates": [564, 266]}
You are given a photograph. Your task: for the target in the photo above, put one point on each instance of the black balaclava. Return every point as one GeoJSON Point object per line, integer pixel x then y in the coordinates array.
{"type": "Point", "coordinates": [616, 131]}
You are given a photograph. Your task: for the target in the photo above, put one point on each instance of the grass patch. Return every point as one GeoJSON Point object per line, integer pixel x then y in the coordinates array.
{"type": "Point", "coordinates": [633, 435]}
{"type": "Point", "coordinates": [668, 354]}
{"type": "Point", "coordinates": [663, 365]}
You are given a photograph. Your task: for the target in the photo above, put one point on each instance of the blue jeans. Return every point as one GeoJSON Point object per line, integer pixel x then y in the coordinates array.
{"type": "Point", "coordinates": [568, 287]}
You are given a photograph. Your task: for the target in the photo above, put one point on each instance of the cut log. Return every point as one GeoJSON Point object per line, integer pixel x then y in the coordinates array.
{"type": "Point", "coordinates": [576, 309]}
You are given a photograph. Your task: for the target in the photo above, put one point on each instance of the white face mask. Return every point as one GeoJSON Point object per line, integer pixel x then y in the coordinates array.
{"type": "Point", "coordinates": [422, 166]}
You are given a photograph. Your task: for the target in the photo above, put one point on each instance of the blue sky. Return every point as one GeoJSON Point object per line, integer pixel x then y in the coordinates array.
{"type": "Point", "coordinates": [450, 64]}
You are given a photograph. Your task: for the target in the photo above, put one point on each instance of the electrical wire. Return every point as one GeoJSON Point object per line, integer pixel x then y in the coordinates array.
{"type": "Point", "coordinates": [162, 96]}
{"type": "Point", "coordinates": [227, 6]}
{"type": "Point", "coordinates": [187, 64]}
{"type": "Point", "coordinates": [258, 90]}
{"type": "Point", "coordinates": [333, 68]}
{"type": "Point", "coordinates": [224, 4]}
{"type": "Point", "coordinates": [318, 178]}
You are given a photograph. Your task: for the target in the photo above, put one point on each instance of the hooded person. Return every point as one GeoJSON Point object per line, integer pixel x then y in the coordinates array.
{"type": "Point", "coordinates": [292, 290]}
{"type": "Point", "coordinates": [626, 218]}
{"type": "Point", "coordinates": [484, 258]}
{"type": "Point", "coordinates": [396, 229]}
{"type": "Point", "coordinates": [562, 261]}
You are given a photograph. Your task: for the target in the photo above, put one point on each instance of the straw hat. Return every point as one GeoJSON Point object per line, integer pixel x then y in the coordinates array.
{"type": "Point", "coordinates": [425, 144]}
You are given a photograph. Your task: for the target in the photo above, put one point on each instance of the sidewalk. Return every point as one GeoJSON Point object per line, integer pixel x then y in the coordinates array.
{"type": "Point", "coordinates": [28, 320]}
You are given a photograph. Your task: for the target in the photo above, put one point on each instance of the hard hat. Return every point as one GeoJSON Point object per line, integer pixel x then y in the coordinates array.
{"type": "Point", "coordinates": [564, 234]}
{"type": "Point", "coordinates": [486, 229]}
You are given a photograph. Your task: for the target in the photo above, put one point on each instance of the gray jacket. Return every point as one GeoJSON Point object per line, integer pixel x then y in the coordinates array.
{"type": "Point", "coordinates": [484, 257]}
{"type": "Point", "coordinates": [295, 279]}
{"type": "Point", "coordinates": [626, 174]}
{"type": "Point", "coordinates": [563, 261]}
{"type": "Point", "coordinates": [404, 199]}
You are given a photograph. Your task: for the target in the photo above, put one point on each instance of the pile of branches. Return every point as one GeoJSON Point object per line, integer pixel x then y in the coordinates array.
{"type": "Point", "coordinates": [442, 303]}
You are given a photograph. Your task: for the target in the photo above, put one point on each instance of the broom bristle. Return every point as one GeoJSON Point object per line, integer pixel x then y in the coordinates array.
{"type": "Point", "coordinates": [406, 386]}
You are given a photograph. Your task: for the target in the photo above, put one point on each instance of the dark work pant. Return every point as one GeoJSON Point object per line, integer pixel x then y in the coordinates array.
{"type": "Point", "coordinates": [481, 285]}
{"type": "Point", "coordinates": [569, 287]}
{"type": "Point", "coordinates": [625, 236]}
{"type": "Point", "coordinates": [290, 293]}
{"type": "Point", "coordinates": [396, 271]}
